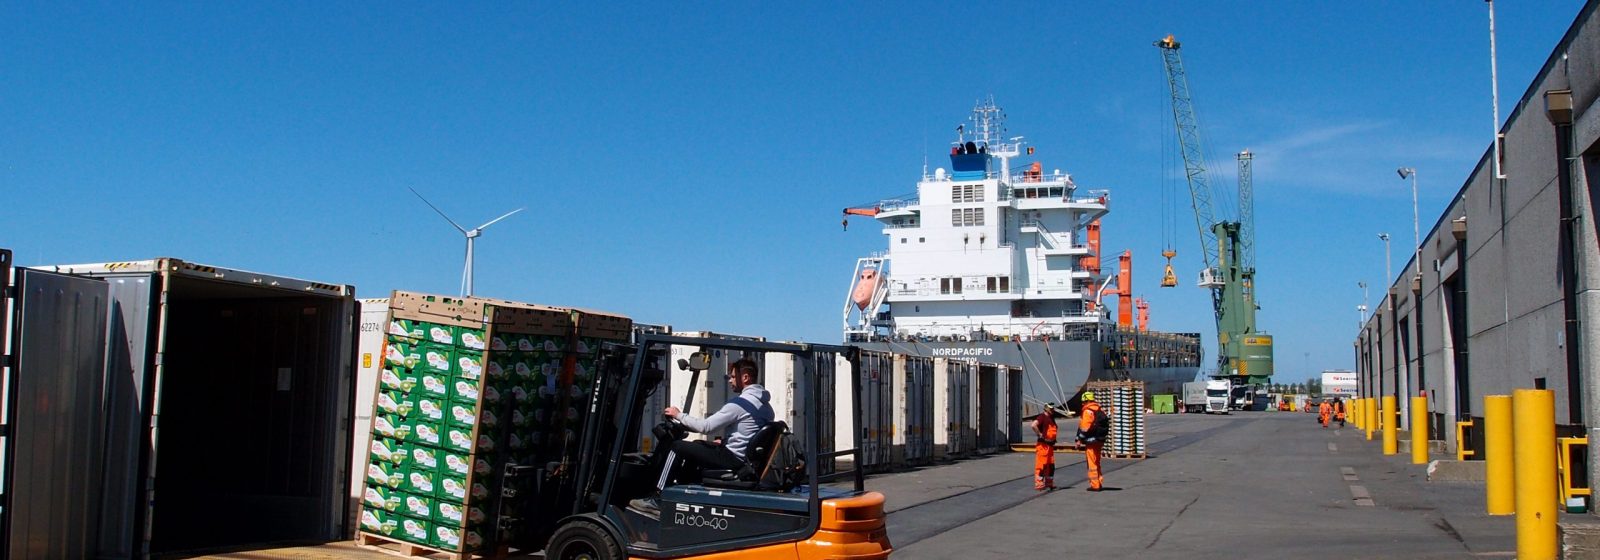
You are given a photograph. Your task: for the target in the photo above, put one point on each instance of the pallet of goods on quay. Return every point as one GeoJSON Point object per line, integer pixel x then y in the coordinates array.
{"type": "Point", "coordinates": [469, 386]}
{"type": "Point", "coordinates": [1125, 401]}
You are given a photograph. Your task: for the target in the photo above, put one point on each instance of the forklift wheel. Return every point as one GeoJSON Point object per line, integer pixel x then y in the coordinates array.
{"type": "Point", "coordinates": [582, 540]}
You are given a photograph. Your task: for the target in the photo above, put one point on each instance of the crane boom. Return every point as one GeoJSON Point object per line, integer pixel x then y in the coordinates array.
{"type": "Point", "coordinates": [1247, 211]}
{"type": "Point", "coordinates": [1194, 163]}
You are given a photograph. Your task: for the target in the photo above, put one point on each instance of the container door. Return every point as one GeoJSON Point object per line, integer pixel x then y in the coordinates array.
{"type": "Point", "coordinates": [54, 456]}
{"type": "Point", "coordinates": [988, 408]}
{"type": "Point", "coordinates": [823, 406]}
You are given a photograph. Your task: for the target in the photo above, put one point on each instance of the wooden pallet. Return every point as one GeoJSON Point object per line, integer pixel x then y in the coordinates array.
{"type": "Point", "coordinates": [396, 547]}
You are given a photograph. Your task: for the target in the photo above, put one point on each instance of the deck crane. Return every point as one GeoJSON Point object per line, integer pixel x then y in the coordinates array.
{"type": "Point", "coordinates": [1244, 356]}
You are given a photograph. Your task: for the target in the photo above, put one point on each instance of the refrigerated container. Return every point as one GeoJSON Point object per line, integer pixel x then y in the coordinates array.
{"type": "Point", "coordinates": [874, 374]}
{"type": "Point", "coordinates": [913, 410]}
{"type": "Point", "coordinates": [658, 398]}
{"type": "Point", "coordinates": [224, 412]}
{"type": "Point", "coordinates": [953, 429]}
{"type": "Point", "coordinates": [792, 390]}
{"type": "Point", "coordinates": [373, 313]}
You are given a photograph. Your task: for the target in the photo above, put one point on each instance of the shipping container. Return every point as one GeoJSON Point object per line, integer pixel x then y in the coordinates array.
{"type": "Point", "coordinates": [913, 410]}
{"type": "Point", "coordinates": [792, 391]}
{"type": "Point", "coordinates": [954, 433]}
{"type": "Point", "coordinates": [874, 374]}
{"type": "Point", "coordinates": [1013, 405]}
{"type": "Point", "coordinates": [221, 411]}
{"type": "Point", "coordinates": [374, 314]}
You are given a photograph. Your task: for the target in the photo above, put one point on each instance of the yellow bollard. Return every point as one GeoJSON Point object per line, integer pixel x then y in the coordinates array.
{"type": "Point", "coordinates": [1355, 413]}
{"type": "Point", "coordinates": [1391, 419]}
{"type": "Point", "coordinates": [1371, 412]}
{"type": "Point", "coordinates": [1419, 430]}
{"type": "Point", "coordinates": [1533, 419]}
{"type": "Point", "coordinates": [1499, 483]}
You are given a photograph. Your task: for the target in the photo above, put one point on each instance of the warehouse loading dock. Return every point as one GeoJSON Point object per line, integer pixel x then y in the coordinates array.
{"type": "Point", "coordinates": [226, 411]}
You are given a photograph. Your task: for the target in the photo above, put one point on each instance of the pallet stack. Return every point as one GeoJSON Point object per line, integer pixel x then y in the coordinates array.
{"type": "Point", "coordinates": [469, 385]}
{"type": "Point", "coordinates": [1124, 400]}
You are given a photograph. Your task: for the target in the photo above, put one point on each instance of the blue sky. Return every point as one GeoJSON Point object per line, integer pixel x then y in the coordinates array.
{"type": "Point", "coordinates": [685, 163]}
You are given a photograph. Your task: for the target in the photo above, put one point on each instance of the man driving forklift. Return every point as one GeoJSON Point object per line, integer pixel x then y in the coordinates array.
{"type": "Point", "coordinates": [747, 413]}
{"type": "Point", "coordinates": [582, 507]}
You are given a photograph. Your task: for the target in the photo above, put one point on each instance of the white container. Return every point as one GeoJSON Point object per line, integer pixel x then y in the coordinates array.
{"type": "Point", "coordinates": [875, 374]}
{"type": "Point", "coordinates": [954, 434]}
{"type": "Point", "coordinates": [913, 409]}
{"type": "Point", "coordinates": [369, 359]}
{"type": "Point", "coordinates": [791, 388]}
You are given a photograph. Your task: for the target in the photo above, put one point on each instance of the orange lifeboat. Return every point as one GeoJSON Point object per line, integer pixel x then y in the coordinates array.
{"type": "Point", "coordinates": [865, 285]}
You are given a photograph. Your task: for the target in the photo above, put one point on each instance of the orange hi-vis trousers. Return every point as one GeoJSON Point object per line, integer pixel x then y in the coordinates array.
{"type": "Point", "coordinates": [1044, 466]}
{"type": "Point", "coordinates": [1091, 453]}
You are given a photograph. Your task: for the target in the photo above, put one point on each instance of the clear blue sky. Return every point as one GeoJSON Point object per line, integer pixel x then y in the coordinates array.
{"type": "Point", "coordinates": [685, 163]}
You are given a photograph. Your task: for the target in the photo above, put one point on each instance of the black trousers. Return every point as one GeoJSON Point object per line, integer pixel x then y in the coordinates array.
{"type": "Point", "coordinates": [682, 460]}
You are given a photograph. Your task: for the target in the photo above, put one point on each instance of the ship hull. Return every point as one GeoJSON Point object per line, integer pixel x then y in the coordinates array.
{"type": "Point", "coordinates": [1052, 371]}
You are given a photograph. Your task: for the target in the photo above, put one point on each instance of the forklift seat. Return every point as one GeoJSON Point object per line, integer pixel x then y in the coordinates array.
{"type": "Point", "coordinates": [757, 459]}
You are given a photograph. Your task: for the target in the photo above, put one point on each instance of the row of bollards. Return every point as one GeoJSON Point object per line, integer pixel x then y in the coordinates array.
{"type": "Point", "coordinates": [1519, 452]}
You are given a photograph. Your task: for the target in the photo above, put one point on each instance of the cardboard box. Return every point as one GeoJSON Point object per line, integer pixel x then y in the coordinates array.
{"type": "Point", "coordinates": [385, 474]}
{"type": "Point", "coordinates": [457, 515]}
{"type": "Point", "coordinates": [418, 506]}
{"type": "Point", "coordinates": [421, 482]}
{"type": "Point", "coordinates": [380, 522]}
{"type": "Point", "coordinates": [389, 450]}
{"type": "Point", "coordinates": [436, 358]}
{"type": "Point", "coordinates": [456, 539]}
{"type": "Point", "coordinates": [391, 426]}
{"type": "Point", "coordinates": [415, 530]}
{"type": "Point", "coordinates": [424, 432]}
{"type": "Point", "coordinates": [382, 497]}
{"type": "Point", "coordinates": [468, 364]}
{"type": "Point", "coordinates": [435, 384]}
{"type": "Point", "coordinates": [406, 328]}
{"type": "Point", "coordinates": [425, 458]}
{"type": "Point", "coordinates": [399, 379]}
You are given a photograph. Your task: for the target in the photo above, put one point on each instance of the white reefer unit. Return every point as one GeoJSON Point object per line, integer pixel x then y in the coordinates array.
{"type": "Point", "coordinates": [913, 409]}
{"type": "Point", "coordinates": [874, 374]}
{"type": "Point", "coordinates": [954, 434]}
{"type": "Point", "coordinates": [369, 360]}
{"type": "Point", "coordinates": [797, 394]}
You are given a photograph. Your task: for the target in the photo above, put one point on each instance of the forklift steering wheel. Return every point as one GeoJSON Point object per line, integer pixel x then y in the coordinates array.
{"type": "Point", "coordinates": [670, 431]}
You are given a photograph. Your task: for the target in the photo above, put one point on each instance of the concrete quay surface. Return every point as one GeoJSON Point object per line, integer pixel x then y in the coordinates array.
{"type": "Point", "coordinates": [1244, 485]}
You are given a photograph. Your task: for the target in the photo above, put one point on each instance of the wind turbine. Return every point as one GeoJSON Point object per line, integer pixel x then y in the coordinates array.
{"type": "Point", "coordinates": [472, 234]}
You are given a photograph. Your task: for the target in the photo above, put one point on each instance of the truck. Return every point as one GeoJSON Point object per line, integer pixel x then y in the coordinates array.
{"type": "Point", "coordinates": [1207, 396]}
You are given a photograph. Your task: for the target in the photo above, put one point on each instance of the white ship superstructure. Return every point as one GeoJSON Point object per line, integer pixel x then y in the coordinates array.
{"type": "Point", "coordinates": [994, 248]}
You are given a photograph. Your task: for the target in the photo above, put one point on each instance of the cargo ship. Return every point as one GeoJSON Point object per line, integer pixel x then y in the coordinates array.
{"type": "Point", "coordinates": [998, 261]}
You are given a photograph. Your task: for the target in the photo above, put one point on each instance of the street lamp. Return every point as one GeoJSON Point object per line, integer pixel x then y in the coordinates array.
{"type": "Point", "coordinates": [1416, 231]}
{"type": "Point", "coordinates": [1361, 310]}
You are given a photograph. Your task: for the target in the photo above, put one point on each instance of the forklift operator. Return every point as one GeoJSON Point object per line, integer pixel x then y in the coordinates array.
{"type": "Point", "coordinates": [747, 412]}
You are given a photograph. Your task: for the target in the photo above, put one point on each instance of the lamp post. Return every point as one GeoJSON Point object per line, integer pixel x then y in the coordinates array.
{"type": "Point", "coordinates": [1416, 231]}
{"type": "Point", "coordinates": [1361, 310]}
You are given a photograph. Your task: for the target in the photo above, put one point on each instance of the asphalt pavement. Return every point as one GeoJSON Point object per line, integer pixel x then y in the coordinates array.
{"type": "Point", "coordinates": [1244, 485]}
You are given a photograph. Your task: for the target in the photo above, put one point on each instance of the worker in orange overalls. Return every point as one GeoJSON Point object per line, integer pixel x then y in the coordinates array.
{"type": "Point", "coordinates": [1338, 411]}
{"type": "Point", "coordinates": [1324, 411]}
{"type": "Point", "coordinates": [1091, 438]}
{"type": "Point", "coordinates": [1044, 449]}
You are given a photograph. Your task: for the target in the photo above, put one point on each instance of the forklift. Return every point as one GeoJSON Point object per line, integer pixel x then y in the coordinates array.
{"type": "Point", "coordinates": [718, 514]}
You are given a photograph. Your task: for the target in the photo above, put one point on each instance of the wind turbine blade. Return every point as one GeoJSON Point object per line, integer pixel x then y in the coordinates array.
{"type": "Point", "coordinates": [508, 215]}
{"type": "Point", "coordinates": [441, 212]}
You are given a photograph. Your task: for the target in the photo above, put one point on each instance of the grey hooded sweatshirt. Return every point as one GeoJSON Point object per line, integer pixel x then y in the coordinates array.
{"type": "Point", "coordinates": [747, 416]}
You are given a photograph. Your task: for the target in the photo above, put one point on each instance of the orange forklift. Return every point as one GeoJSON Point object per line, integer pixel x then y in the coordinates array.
{"type": "Point", "coordinates": [811, 513]}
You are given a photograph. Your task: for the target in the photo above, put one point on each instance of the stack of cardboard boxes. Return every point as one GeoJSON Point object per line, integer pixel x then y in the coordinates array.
{"type": "Point", "coordinates": [468, 386]}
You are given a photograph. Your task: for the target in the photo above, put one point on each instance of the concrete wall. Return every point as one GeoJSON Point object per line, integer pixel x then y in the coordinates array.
{"type": "Point", "coordinates": [1515, 319]}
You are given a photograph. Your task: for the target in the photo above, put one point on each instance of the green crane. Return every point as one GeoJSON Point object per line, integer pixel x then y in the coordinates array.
{"type": "Point", "coordinates": [1243, 354]}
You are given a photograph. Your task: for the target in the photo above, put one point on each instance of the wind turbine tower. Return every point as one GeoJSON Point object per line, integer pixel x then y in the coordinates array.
{"type": "Point", "coordinates": [471, 234]}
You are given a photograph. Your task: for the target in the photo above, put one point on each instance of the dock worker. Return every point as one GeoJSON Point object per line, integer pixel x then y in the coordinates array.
{"type": "Point", "coordinates": [1324, 412]}
{"type": "Point", "coordinates": [1092, 438]}
{"type": "Point", "coordinates": [1044, 448]}
{"type": "Point", "coordinates": [1338, 411]}
{"type": "Point", "coordinates": [746, 413]}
